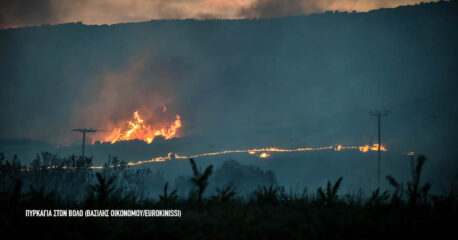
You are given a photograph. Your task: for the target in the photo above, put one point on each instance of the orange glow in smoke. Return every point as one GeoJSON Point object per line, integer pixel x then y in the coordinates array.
{"type": "Point", "coordinates": [138, 129]}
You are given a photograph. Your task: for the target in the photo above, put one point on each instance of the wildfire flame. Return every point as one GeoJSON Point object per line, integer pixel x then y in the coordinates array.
{"type": "Point", "coordinates": [265, 153]}
{"type": "Point", "coordinates": [374, 147]}
{"type": "Point", "coordinates": [138, 129]}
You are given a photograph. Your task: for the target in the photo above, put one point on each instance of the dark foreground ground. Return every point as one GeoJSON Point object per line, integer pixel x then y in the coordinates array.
{"type": "Point", "coordinates": [408, 212]}
{"type": "Point", "coordinates": [289, 218]}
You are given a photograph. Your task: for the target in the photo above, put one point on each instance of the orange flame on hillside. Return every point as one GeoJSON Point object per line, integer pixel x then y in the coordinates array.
{"type": "Point", "coordinates": [374, 147]}
{"type": "Point", "coordinates": [264, 153]}
{"type": "Point", "coordinates": [138, 129]}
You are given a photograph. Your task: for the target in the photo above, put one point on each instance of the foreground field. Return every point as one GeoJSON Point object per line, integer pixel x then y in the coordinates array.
{"type": "Point", "coordinates": [268, 213]}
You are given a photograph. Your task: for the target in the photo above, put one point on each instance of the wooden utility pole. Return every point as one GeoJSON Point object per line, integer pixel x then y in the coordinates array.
{"type": "Point", "coordinates": [84, 131]}
{"type": "Point", "coordinates": [379, 116]}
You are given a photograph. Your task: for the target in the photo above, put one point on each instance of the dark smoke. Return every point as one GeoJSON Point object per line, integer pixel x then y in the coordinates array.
{"type": "Point", "coordinates": [25, 12]}
{"type": "Point", "coordinates": [274, 8]}
{"type": "Point", "coordinates": [37, 12]}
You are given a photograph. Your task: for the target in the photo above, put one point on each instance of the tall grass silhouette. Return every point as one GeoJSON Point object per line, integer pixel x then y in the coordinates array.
{"type": "Point", "coordinates": [266, 213]}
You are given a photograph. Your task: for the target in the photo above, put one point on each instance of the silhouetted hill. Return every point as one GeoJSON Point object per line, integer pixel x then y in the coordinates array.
{"type": "Point", "coordinates": [299, 81]}
{"type": "Point", "coordinates": [223, 71]}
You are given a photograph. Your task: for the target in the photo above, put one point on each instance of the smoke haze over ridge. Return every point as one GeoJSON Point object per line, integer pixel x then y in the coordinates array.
{"type": "Point", "coordinates": [20, 13]}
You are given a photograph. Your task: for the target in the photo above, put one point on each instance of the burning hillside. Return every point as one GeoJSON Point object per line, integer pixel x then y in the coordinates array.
{"type": "Point", "coordinates": [140, 129]}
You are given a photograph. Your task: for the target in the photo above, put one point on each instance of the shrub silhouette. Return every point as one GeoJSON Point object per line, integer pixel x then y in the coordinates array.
{"type": "Point", "coordinates": [39, 198]}
{"type": "Point", "coordinates": [414, 190]}
{"type": "Point", "coordinates": [16, 194]}
{"type": "Point", "coordinates": [377, 198]}
{"type": "Point", "coordinates": [396, 197]}
{"type": "Point", "coordinates": [101, 191]}
{"type": "Point", "coordinates": [416, 193]}
{"type": "Point", "coordinates": [200, 179]}
{"type": "Point", "coordinates": [10, 173]}
{"type": "Point", "coordinates": [324, 214]}
{"type": "Point", "coordinates": [268, 195]}
{"type": "Point", "coordinates": [329, 197]}
{"type": "Point", "coordinates": [225, 193]}
{"type": "Point", "coordinates": [246, 178]}
{"type": "Point", "coordinates": [166, 198]}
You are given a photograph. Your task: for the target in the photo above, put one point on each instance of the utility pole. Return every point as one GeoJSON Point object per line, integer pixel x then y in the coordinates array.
{"type": "Point", "coordinates": [412, 164]}
{"type": "Point", "coordinates": [84, 131]}
{"type": "Point", "coordinates": [379, 116]}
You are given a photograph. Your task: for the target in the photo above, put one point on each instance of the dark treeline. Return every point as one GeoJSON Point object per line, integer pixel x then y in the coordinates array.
{"type": "Point", "coordinates": [268, 212]}
{"type": "Point", "coordinates": [70, 177]}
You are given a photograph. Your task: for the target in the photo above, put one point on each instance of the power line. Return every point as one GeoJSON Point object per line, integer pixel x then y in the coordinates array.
{"type": "Point", "coordinates": [449, 116]}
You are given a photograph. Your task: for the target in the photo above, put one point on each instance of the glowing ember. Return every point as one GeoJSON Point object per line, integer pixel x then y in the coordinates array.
{"type": "Point", "coordinates": [374, 147]}
{"type": "Point", "coordinates": [338, 147]}
{"type": "Point", "coordinates": [138, 129]}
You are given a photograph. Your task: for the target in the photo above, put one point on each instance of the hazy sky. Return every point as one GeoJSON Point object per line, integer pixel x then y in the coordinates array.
{"type": "Point", "coordinates": [18, 13]}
